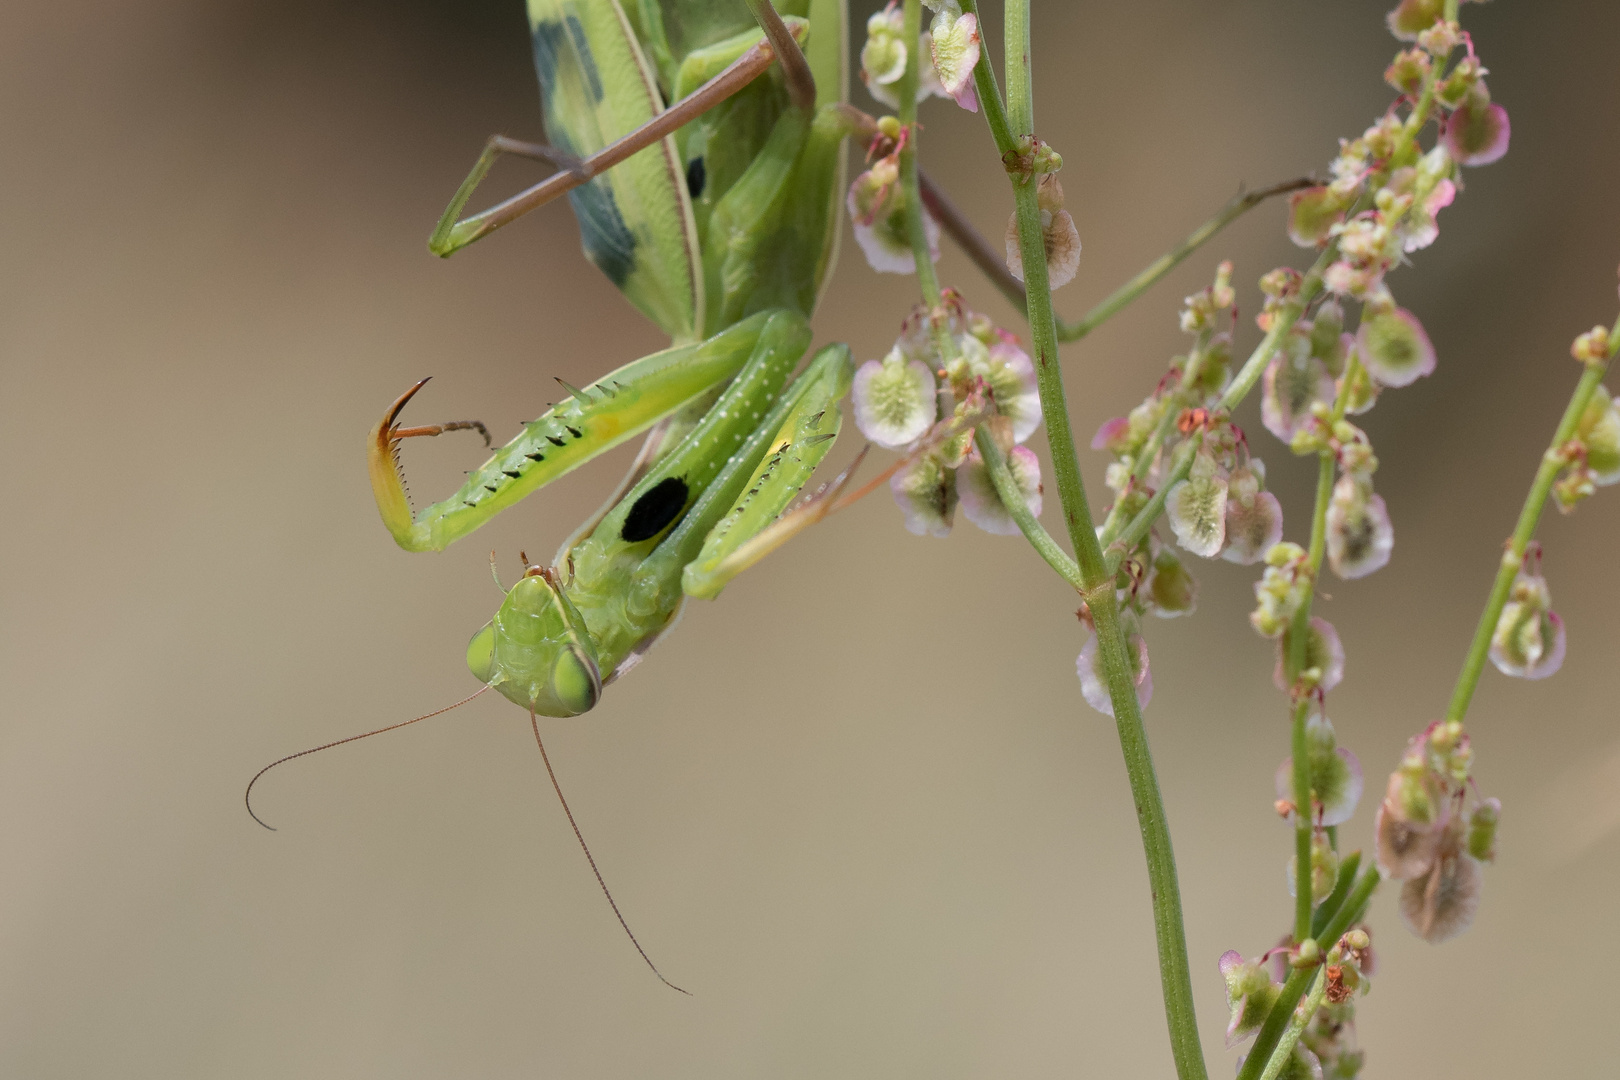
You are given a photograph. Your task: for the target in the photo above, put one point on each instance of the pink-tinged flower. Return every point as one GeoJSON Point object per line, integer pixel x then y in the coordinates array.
{"type": "Point", "coordinates": [1008, 372]}
{"type": "Point", "coordinates": [1312, 213]}
{"type": "Point", "coordinates": [1254, 519]}
{"type": "Point", "coordinates": [1529, 639]}
{"type": "Point", "coordinates": [1250, 994]}
{"type": "Point", "coordinates": [894, 400]}
{"type": "Point", "coordinates": [925, 491]}
{"type": "Point", "coordinates": [1293, 382]}
{"type": "Point", "coordinates": [1442, 903]}
{"type": "Point", "coordinates": [1477, 133]}
{"type": "Point", "coordinates": [1113, 436]}
{"type": "Point", "coordinates": [1336, 780]}
{"type": "Point", "coordinates": [1360, 536]}
{"type": "Point", "coordinates": [1394, 347]}
{"type": "Point", "coordinates": [980, 502]}
{"type": "Point", "coordinates": [883, 57]}
{"type": "Point", "coordinates": [954, 46]}
{"type": "Point", "coordinates": [1170, 589]}
{"type": "Point", "coordinates": [1094, 687]}
{"type": "Point", "coordinates": [1323, 653]}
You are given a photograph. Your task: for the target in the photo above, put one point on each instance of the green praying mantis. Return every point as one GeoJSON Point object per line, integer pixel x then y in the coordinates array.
{"type": "Point", "coordinates": [717, 215]}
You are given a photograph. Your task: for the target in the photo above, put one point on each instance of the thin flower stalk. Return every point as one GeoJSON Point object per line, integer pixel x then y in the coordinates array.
{"type": "Point", "coordinates": [1552, 462]}
{"type": "Point", "coordinates": [1097, 576]}
{"type": "Point", "coordinates": [1284, 1053]}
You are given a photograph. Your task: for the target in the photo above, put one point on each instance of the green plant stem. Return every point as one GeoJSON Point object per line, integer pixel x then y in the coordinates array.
{"type": "Point", "coordinates": [1299, 635]}
{"type": "Point", "coordinates": [1118, 670]}
{"type": "Point", "coordinates": [1007, 489]}
{"type": "Point", "coordinates": [1283, 1009]}
{"type": "Point", "coordinates": [1552, 462]}
{"type": "Point", "coordinates": [1150, 276]}
{"type": "Point", "coordinates": [1296, 1027]}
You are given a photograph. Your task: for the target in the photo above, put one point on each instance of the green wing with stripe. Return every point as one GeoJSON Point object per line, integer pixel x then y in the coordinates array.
{"type": "Point", "coordinates": [635, 220]}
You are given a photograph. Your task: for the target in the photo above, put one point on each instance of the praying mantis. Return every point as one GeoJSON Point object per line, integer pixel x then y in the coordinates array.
{"type": "Point", "coordinates": [717, 216]}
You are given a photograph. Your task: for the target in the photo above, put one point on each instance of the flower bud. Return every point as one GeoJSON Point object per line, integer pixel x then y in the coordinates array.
{"type": "Point", "coordinates": [1408, 71]}
{"type": "Point", "coordinates": [1592, 345]}
{"type": "Point", "coordinates": [1482, 829]}
{"type": "Point", "coordinates": [1307, 954]}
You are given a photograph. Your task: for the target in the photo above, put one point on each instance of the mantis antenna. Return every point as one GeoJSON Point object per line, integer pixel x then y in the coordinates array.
{"type": "Point", "coordinates": [247, 796]}
{"type": "Point", "coordinates": [546, 758]}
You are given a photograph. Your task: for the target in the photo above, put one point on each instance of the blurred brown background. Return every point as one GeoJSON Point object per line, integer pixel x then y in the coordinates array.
{"type": "Point", "coordinates": [857, 805]}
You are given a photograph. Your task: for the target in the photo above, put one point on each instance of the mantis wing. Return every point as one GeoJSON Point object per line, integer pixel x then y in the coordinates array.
{"type": "Point", "coordinates": [635, 220]}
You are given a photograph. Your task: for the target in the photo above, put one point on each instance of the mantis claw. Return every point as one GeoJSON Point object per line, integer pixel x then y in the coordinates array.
{"type": "Point", "coordinates": [386, 482]}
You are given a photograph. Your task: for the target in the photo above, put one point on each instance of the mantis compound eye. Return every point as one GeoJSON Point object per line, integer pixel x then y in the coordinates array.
{"type": "Point", "coordinates": [481, 653]}
{"type": "Point", "coordinates": [575, 682]}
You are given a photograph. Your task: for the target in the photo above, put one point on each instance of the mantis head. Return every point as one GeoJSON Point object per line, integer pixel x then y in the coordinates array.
{"type": "Point", "coordinates": [537, 651]}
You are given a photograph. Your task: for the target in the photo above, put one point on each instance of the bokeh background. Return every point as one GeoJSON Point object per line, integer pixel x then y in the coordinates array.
{"type": "Point", "coordinates": [857, 805]}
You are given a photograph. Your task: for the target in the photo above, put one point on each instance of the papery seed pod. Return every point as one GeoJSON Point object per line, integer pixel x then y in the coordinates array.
{"type": "Point", "coordinates": [1250, 994]}
{"type": "Point", "coordinates": [1254, 519]}
{"type": "Point", "coordinates": [1599, 435]}
{"type": "Point", "coordinates": [980, 502]}
{"type": "Point", "coordinates": [1312, 213]}
{"type": "Point", "coordinates": [925, 491]}
{"type": "Point", "coordinates": [1442, 903]}
{"type": "Point", "coordinates": [1336, 780]}
{"type": "Point", "coordinates": [1478, 132]}
{"type": "Point", "coordinates": [894, 400]}
{"type": "Point", "coordinates": [1324, 869]}
{"type": "Point", "coordinates": [954, 48]}
{"type": "Point", "coordinates": [1058, 233]}
{"type": "Point", "coordinates": [1007, 370]}
{"type": "Point", "coordinates": [1394, 347]}
{"type": "Point", "coordinates": [1360, 537]}
{"type": "Point", "coordinates": [1196, 508]}
{"type": "Point", "coordinates": [1529, 639]}
{"type": "Point", "coordinates": [1293, 382]}
{"type": "Point", "coordinates": [1170, 590]}
{"type": "Point", "coordinates": [1323, 654]}
{"type": "Point", "coordinates": [1094, 687]}
{"type": "Point", "coordinates": [1406, 849]}
{"type": "Point", "coordinates": [884, 238]}
{"type": "Point", "coordinates": [1113, 436]}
